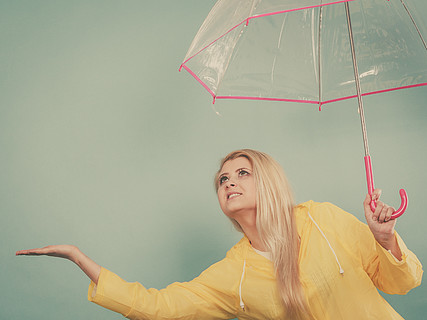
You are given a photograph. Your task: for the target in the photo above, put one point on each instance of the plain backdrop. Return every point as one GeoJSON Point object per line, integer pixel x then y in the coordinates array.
{"type": "Point", "coordinates": [105, 145]}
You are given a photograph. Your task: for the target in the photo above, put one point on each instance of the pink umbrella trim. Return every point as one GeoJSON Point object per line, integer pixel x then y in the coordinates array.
{"type": "Point", "coordinates": [320, 103]}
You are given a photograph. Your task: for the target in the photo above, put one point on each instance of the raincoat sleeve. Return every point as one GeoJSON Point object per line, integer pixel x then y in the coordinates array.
{"type": "Point", "coordinates": [202, 298]}
{"type": "Point", "coordinates": [388, 273]}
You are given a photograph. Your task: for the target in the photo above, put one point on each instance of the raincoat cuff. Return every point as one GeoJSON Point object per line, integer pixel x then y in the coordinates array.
{"type": "Point", "coordinates": [107, 293]}
{"type": "Point", "coordinates": [389, 256]}
{"type": "Point", "coordinates": [95, 292]}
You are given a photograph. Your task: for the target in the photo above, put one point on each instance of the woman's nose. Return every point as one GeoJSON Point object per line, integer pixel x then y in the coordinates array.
{"type": "Point", "coordinates": [230, 183]}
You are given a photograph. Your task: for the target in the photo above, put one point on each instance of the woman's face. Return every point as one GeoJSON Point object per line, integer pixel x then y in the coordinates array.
{"type": "Point", "coordinates": [237, 192]}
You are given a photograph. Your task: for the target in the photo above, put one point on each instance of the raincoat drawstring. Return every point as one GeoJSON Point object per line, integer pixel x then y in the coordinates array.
{"type": "Point", "coordinates": [324, 236]}
{"type": "Point", "coordinates": [242, 304]}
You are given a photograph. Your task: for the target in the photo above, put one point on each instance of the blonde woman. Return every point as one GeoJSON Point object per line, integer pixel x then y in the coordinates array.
{"type": "Point", "coordinates": [306, 261]}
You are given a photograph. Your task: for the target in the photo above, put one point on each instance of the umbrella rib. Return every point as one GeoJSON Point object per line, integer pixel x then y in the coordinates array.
{"type": "Point", "coordinates": [415, 25]}
{"type": "Point", "coordinates": [240, 34]}
{"type": "Point", "coordinates": [319, 59]}
{"type": "Point", "coordinates": [279, 43]}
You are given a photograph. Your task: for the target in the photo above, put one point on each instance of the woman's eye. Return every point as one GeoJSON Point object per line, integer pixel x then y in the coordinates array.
{"type": "Point", "coordinates": [243, 173]}
{"type": "Point", "coordinates": [222, 180]}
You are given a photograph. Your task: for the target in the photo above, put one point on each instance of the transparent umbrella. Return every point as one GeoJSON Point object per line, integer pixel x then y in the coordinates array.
{"type": "Point", "coordinates": [310, 51]}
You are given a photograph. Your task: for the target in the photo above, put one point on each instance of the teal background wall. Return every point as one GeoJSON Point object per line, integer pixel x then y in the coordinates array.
{"type": "Point", "coordinates": [105, 145]}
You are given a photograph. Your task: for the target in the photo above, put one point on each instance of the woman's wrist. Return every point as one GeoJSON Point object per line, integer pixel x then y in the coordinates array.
{"type": "Point", "coordinates": [392, 246]}
{"type": "Point", "coordinates": [73, 254]}
{"type": "Point", "coordinates": [87, 265]}
{"type": "Point", "coordinates": [387, 243]}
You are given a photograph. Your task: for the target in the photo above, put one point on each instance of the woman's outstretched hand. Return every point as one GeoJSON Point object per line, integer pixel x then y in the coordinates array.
{"type": "Point", "coordinates": [380, 224]}
{"type": "Point", "coordinates": [61, 251]}
{"type": "Point", "coordinates": [69, 252]}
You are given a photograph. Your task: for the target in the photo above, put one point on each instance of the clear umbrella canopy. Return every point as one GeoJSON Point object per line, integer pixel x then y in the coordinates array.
{"type": "Point", "coordinates": [310, 51]}
{"type": "Point", "coordinates": [273, 50]}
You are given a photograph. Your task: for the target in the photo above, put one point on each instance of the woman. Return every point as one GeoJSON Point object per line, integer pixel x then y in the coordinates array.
{"type": "Point", "coordinates": [310, 261]}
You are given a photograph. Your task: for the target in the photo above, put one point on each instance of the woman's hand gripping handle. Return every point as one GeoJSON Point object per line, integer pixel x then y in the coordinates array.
{"type": "Point", "coordinates": [370, 181]}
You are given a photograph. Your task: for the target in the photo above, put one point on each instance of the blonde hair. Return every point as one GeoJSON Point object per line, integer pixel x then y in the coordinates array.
{"type": "Point", "coordinates": [276, 227]}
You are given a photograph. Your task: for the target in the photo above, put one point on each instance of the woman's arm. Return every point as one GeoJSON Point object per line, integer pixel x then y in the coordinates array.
{"type": "Point", "coordinates": [209, 296]}
{"type": "Point", "coordinates": [72, 253]}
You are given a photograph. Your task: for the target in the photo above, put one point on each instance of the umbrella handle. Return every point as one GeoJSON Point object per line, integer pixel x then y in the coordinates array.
{"type": "Point", "coordinates": [370, 180]}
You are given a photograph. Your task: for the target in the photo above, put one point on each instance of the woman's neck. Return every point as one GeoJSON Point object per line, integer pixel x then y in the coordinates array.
{"type": "Point", "coordinates": [254, 238]}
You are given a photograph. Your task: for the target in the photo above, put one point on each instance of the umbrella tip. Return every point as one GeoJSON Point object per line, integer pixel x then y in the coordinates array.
{"type": "Point", "coordinates": [213, 107]}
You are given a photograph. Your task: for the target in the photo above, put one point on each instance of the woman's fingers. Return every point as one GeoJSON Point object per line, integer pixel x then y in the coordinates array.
{"type": "Point", "coordinates": [378, 211]}
{"type": "Point", "coordinates": [382, 212]}
{"type": "Point", "coordinates": [390, 211]}
{"type": "Point", "coordinates": [31, 252]}
{"type": "Point", "coordinates": [376, 194]}
{"type": "Point", "coordinates": [383, 215]}
{"type": "Point", "coordinates": [366, 203]}
{"type": "Point", "coordinates": [374, 197]}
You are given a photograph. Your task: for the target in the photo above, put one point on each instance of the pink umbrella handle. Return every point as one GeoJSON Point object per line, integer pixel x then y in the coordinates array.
{"type": "Point", "coordinates": [370, 180]}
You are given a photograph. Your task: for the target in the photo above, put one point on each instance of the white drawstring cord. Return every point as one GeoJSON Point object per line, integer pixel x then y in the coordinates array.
{"type": "Point", "coordinates": [242, 305]}
{"type": "Point", "coordinates": [332, 249]}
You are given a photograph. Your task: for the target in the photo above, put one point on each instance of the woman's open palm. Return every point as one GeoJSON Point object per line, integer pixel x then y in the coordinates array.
{"type": "Point", "coordinates": [62, 251]}
{"type": "Point", "coordinates": [69, 252]}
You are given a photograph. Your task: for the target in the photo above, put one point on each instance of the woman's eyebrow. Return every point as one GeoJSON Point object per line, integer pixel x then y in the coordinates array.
{"type": "Point", "coordinates": [237, 170]}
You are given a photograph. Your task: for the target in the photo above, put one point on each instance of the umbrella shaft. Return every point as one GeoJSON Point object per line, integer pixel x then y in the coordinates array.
{"type": "Point", "coordinates": [357, 81]}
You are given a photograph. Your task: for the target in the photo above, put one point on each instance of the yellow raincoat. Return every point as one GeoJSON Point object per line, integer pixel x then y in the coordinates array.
{"type": "Point", "coordinates": [341, 268]}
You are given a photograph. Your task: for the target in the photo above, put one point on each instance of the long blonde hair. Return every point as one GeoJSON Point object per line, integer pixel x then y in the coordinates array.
{"type": "Point", "coordinates": [276, 227]}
